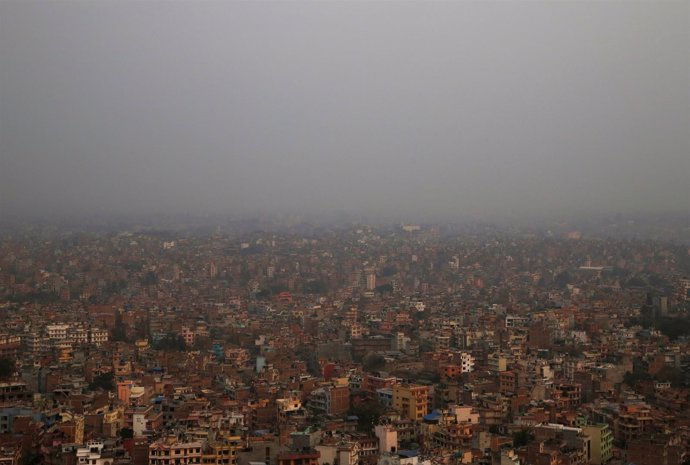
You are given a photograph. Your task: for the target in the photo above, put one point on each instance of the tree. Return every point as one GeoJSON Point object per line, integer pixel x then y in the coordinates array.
{"type": "Point", "coordinates": [202, 343]}
{"type": "Point", "coordinates": [522, 438]}
{"type": "Point", "coordinates": [149, 279]}
{"type": "Point", "coordinates": [368, 413]}
{"type": "Point", "coordinates": [425, 345]}
{"type": "Point", "coordinates": [384, 289]}
{"type": "Point", "coordinates": [7, 367]}
{"type": "Point", "coordinates": [672, 375]}
{"type": "Point", "coordinates": [172, 342]}
{"type": "Point", "coordinates": [105, 381]}
{"type": "Point", "coordinates": [562, 279]}
{"type": "Point", "coordinates": [32, 458]}
{"type": "Point", "coordinates": [373, 362]}
{"type": "Point", "coordinates": [315, 287]}
{"type": "Point", "coordinates": [631, 379]}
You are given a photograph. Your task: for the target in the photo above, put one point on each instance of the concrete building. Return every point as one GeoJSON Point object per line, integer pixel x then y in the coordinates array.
{"type": "Point", "coordinates": [172, 452]}
{"type": "Point", "coordinates": [388, 438]}
{"type": "Point", "coordinates": [411, 400]}
{"type": "Point", "coordinates": [601, 443]}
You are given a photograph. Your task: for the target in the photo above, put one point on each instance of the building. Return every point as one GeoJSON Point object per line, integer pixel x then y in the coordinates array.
{"type": "Point", "coordinates": [656, 450]}
{"type": "Point", "coordinates": [172, 452]}
{"type": "Point", "coordinates": [601, 443]}
{"type": "Point", "coordinates": [331, 400]}
{"type": "Point", "coordinates": [14, 392]}
{"type": "Point", "coordinates": [92, 454]}
{"type": "Point", "coordinates": [388, 438]}
{"type": "Point", "coordinates": [222, 451]}
{"type": "Point", "coordinates": [10, 455]}
{"type": "Point", "coordinates": [411, 400]}
{"type": "Point", "coordinates": [497, 362]}
{"type": "Point", "coordinates": [371, 279]}
{"type": "Point", "coordinates": [10, 346]}
{"type": "Point", "coordinates": [304, 457]}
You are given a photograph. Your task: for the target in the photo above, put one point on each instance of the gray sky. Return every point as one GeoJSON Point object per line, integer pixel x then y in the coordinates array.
{"type": "Point", "coordinates": [419, 108]}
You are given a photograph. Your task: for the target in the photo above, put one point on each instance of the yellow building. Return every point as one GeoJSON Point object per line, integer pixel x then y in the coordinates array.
{"type": "Point", "coordinates": [411, 400]}
{"type": "Point", "coordinates": [222, 451]}
{"type": "Point", "coordinates": [113, 421]}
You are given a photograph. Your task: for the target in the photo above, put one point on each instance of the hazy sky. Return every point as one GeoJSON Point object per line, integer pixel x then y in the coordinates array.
{"type": "Point", "coordinates": [424, 108]}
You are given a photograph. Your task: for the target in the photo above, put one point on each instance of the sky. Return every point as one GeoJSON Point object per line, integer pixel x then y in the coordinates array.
{"type": "Point", "coordinates": [422, 109]}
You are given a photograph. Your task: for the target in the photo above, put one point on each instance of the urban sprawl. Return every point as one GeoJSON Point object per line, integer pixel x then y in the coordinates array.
{"type": "Point", "coordinates": [352, 346]}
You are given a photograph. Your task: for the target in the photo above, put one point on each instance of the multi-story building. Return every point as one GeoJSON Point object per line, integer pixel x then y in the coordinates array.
{"type": "Point", "coordinates": [411, 400]}
{"type": "Point", "coordinates": [222, 451]}
{"type": "Point", "coordinates": [466, 362]}
{"type": "Point", "coordinates": [14, 392]}
{"type": "Point", "coordinates": [10, 455]}
{"type": "Point", "coordinates": [371, 383]}
{"type": "Point", "coordinates": [633, 421]}
{"type": "Point", "coordinates": [173, 452]}
{"type": "Point", "coordinates": [601, 443]}
{"type": "Point", "coordinates": [98, 336]}
{"type": "Point", "coordinates": [92, 454]}
{"type": "Point", "coordinates": [35, 343]}
{"type": "Point", "coordinates": [656, 450]}
{"type": "Point", "coordinates": [10, 345]}
{"type": "Point", "coordinates": [497, 362]}
{"type": "Point", "coordinates": [78, 335]}
{"type": "Point", "coordinates": [331, 400]}
{"type": "Point", "coordinates": [567, 395]}
{"type": "Point", "coordinates": [57, 331]}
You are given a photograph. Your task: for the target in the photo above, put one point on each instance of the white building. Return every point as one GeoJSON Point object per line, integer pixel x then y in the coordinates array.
{"type": "Point", "coordinates": [58, 331]}
{"type": "Point", "coordinates": [466, 362]}
{"type": "Point", "coordinates": [98, 336]}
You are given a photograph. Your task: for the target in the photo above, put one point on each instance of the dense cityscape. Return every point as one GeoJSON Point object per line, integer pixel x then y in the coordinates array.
{"type": "Point", "coordinates": [360, 345]}
{"type": "Point", "coordinates": [344, 232]}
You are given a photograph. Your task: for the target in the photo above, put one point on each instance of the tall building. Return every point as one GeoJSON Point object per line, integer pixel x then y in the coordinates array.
{"type": "Point", "coordinates": [601, 443]}
{"type": "Point", "coordinates": [371, 279]}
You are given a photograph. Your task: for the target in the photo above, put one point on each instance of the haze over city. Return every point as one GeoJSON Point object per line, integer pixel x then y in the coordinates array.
{"type": "Point", "coordinates": [422, 109]}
